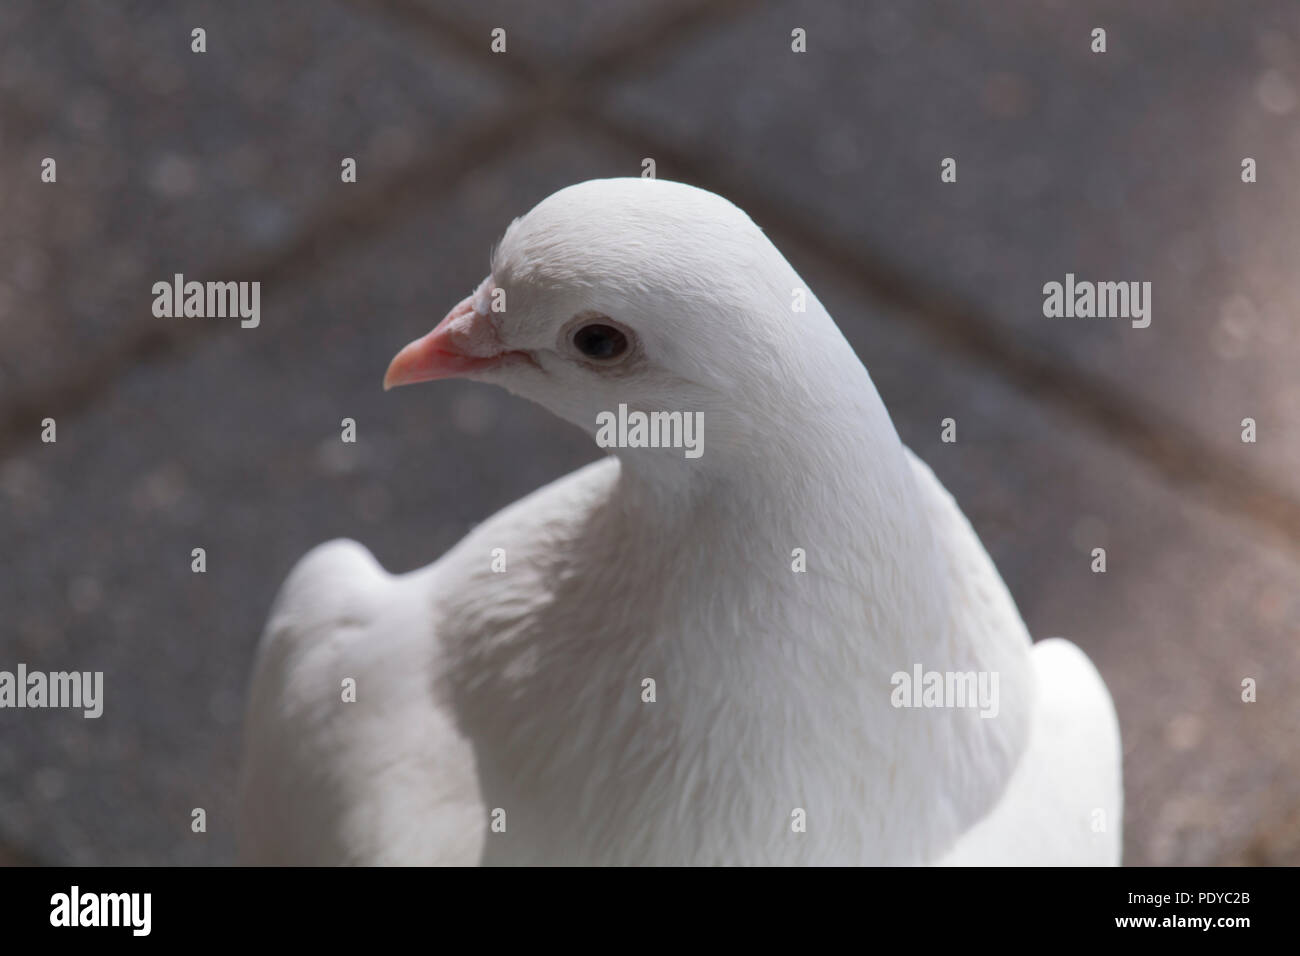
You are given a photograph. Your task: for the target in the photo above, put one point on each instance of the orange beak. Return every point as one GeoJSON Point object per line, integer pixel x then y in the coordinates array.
{"type": "Point", "coordinates": [463, 343]}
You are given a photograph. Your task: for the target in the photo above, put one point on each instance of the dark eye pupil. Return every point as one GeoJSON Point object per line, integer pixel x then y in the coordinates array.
{"type": "Point", "coordinates": [600, 341]}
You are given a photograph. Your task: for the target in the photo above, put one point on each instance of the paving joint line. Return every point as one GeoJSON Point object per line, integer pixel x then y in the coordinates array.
{"type": "Point", "coordinates": [325, 232]}
{"type": "Point", "coordinates": [627, 49]}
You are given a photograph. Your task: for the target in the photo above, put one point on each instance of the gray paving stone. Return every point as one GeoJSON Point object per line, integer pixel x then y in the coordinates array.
{"type": "Point", "coordinates": [1117, 166]}
{"type": "Point", "coordinates": [173, 161]}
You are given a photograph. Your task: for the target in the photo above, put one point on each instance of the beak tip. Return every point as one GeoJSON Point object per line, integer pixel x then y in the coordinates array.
{"type": "Point", "coordinates": [439, 354]}
{"type": "Point", "coordinates": [393, 376]}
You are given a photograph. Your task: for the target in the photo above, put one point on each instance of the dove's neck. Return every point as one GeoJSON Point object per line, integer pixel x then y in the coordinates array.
{"type": "Point", "coordinates": [813, 563]}
{"type": "Point", "coordinates": [700, 662]}
{"type": "Point", "coordinates": [819, 504]}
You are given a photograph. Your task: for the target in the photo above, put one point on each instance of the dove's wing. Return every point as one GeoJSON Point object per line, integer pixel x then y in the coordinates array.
{"type": "Point", "coordinates": [1062, 801]}
{"type": "Point", "coordinates": [1063, 804]}
{"type": "Point", "coordinates": [384, 778]}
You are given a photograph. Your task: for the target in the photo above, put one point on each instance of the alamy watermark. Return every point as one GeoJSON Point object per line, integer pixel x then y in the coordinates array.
{"type": "Point", "coordinates": [79, 690]}
{"type": "Point", "coordinates": [75, 908]}
{"type": "Point", "coordinates": [946, 689]}
{"type": "Point", "coordinates": [624, 429]}
{"type": "Point", "coordinates": [1100, 300]}
{"type": "Point", "coordinates": [208, 300]}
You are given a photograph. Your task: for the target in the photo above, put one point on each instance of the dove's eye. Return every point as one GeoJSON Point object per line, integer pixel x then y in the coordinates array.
{"type": "Point", "coordinates": [599, 341]}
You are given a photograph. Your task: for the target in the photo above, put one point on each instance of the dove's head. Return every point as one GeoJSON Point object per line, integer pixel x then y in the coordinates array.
{"type": "Point", "coordinates": [648, 294]}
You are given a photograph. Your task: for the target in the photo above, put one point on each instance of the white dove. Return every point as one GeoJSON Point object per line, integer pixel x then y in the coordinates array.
{"type": "Point", "coordinates": [687, 660]}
